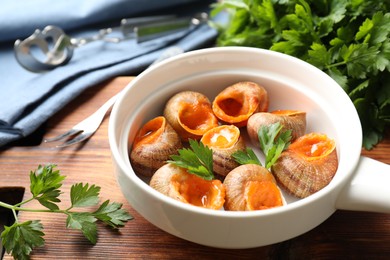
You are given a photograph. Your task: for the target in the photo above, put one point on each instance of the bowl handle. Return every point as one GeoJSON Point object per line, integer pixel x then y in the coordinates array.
{"type": "Point", "coordinates": [369, 188]}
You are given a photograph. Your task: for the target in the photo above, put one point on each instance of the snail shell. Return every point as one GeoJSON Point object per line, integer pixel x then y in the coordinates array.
{"type": "Point", "coordinates": [293, 120]}
{"type": "Point", "coordinates": [251, 187]}
{"type": "Point", "coordinates": [190, 114]}
{"type": "Point", "coordinates": [307, 166]}
{"type": "Point", "coordinates": [153, 145]}
{"type": "Point", "coordinates": [236, 103]}
{"type": "Point", "coordinates": [180, 185]}
{"type": "Point", "coordinates": [224, 140]}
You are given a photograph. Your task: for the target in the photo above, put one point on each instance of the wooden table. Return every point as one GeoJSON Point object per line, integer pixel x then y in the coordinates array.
{"type": "Point", "coordinates": [345, 234]}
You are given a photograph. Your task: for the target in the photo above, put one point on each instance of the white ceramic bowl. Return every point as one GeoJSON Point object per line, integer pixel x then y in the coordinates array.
{"type": "Point", "coordinates": [359, 184]}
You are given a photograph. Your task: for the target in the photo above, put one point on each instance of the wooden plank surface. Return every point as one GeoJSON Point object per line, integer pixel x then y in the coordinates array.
{"type": "Point", "coordinates": [350, 235]}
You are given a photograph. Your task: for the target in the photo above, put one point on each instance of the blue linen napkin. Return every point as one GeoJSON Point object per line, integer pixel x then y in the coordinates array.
{"type": "Point", "coordinates": [28, 99]}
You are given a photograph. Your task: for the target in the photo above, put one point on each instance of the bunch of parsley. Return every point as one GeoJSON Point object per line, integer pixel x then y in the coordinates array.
{"type": "Point", "coordinates": [21, 238]}
{"type": "Point", "coordinates": [347, 39]}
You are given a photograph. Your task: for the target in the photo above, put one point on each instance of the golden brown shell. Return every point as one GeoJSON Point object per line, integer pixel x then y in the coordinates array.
{"type": "Point", "coordinates": [293, 120]}
{"type": "Point", "coordinates": [236, 103]}
{"type": "Point", "coordinates": [190, 114]}
{"type": "Point", "coordinates": [307, 166]}
{"type": "Point", "coordinates": [251, 187]}
{"type": "Point", "coordinates": [180, 185]}
{"type": "Point", "coordinates": [153, 145]}
{"type": "Point", "coordinates": [224, 140]}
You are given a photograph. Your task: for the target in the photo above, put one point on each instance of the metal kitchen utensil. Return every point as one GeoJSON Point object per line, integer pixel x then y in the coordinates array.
{"type": "Point", "coordinates": [52, 47]}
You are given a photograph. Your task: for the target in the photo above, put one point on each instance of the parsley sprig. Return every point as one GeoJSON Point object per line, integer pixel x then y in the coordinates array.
{"type": "Point", "coordinates": [348, 40]}
{"type": "Point", "coordinates": [21, 238]}
{"type": "Point", "coordinates": [273, 141]}
{"type": "Point", "coordinates": [198, 159]}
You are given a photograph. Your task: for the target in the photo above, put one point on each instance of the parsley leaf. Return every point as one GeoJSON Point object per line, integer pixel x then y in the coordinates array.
{"type": "Point", "coordinates": [20, 238]}
{"type": "Point", "coordinates": [112, 214]}
{"type": "Point", "coordinates": [246, 157]}
{"type": "Point", "coordinates": [84, 195]}
{"type": "Point", "coordinates": [45, 184]}
{"type": "Point", "coordinates": [198, 160]}
{"type": "Point", "coordinates": [319, 55]}
{"type": "Point", "coordinates": [85, 222]}
{"type": "Point", "coordinates": [273, 142]}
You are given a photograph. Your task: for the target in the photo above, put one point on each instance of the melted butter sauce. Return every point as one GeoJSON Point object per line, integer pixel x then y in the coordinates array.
{"type": "Point", "coordinates": [223, 137]}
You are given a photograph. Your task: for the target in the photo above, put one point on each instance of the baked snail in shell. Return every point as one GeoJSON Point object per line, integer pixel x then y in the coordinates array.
{"type": "Point", "coordinates": [190, 114]}
{"type": "Point", "coordinates": [177, 183]}
{"type": "Point", "coordinates": [224, 140]}
{"type": "Point", "coordinates": [236, 103]}
{"type": "Point", "coordinates": [307, 166]}
{"type": "Point", "coordinates": [153, 145]}
{"type": "Point", "coordinates": [293, 120]}
{"type": "Point", "coordinates": [251, 187]}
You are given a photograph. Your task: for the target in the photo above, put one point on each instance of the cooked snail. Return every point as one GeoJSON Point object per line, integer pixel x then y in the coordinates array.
{"type": "Point", "coordinates": [178, 184]}
{"type": "Point", "coordinates": [153, 145]}
{"type": "Point", "coordinates": [224, 140]}
{"type": "Point", "coordinates": [251, 187]}
{"type": "Point", "coordinates": [290, 120]}
{"type": "Point", "coordinates": [307, 166]}
{"type": "Point", "coordinates": [190, 114]}
{"type": "Point", "coordinates": [236, 103]}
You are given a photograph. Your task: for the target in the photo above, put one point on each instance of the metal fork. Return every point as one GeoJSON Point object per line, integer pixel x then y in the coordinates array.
{"type": "Point", "coordinates": [86, 128]}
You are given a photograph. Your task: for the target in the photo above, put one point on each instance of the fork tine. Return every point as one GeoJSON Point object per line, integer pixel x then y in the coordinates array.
{"type": "Point", "coordinates": [61, 136]}
{"type": "Point", "coordinates": [75, 140]}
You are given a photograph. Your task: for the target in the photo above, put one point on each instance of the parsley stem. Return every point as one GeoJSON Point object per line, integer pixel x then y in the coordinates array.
{"type": "Point", "coordinates": [344, 62]}
{"type": "Point", "coordinates": [5, 205]}
{"type": "Point", "coordinates": [17, 207]}
{"type": "Point", "coordinates": [37, 210]}
{"type": "Point", "coordinates": [341, 63]}
{"type": "Point", "coordinates": [23, 202]}
{"type": "Point", "coordinates": [8, 206]}
{"type": "Point", "coordinates": [68, 209]}
{"type": "Point", "coordinates": [15, 215]}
